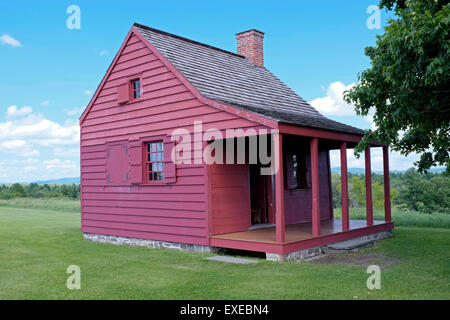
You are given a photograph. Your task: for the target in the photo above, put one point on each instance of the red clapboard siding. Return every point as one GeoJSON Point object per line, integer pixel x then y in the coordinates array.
{"type": "Point", "coordinates": [93, 169]}
{"type": "Point", "coordinates": [230, 198]}
{"type": "Point", "coordinates": [158, 129]}
{"type": "Point", "coordinates": [114, 114]}
{"type": "Point", "coordinates": [145, 227]}
{"type": "Point", "coordinates": [158, 118]}
{"type": "Point", "coordinates": [169, 205]}
{"type": "Point", "coordinates": [150, 197]}
{"type": "Point", "coordinates": [175, 189]}
{"type": "Point", "coordinates": [176, 212]}
{"type": "Point", "coordinates": [174, 101]}
{"type": "Point", "coordinates": [145, 212]}
{"type": "Point", "coordinates": [163, 221]}
{"type": "Point", "coordinates": [148, 235]}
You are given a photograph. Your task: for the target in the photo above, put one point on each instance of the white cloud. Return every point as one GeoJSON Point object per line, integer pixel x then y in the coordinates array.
{"type": "Point", "coordinates": [31, 153]}
{"type": "Point", "coordinates": [37, 130]}
{"type": "Point", "coordinates": [32, 169]}
{"type": "Point", "coordinates": [19, 148]}
{"type": "Point", "coordinates": [87, 92]}
{"type": "Point", "coordinates": [45, 103]}
{"type": "Point", "coordinates": [13, 144]}
{"type": "Point", "coordinates": [7, 39]}
{"type": "Point", "coordinates": [66, 152]}
{"type": "Point", "coordinates": [103, 53]}
{"type": "Point", "coordinates": [75, 111]}
{"type": "Point", "coordinates": [29, 137]}
{"type": "Point", "coordinates": [396, 160]}
{"type": "Point", "coordinates": [57, 163]}
{"type": "Point", "coordinates": [14, 111]}
{"type": "Point", "coordinates": [333, 103]}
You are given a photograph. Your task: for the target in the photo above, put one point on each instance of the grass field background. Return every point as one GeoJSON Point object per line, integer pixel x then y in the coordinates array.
{"type": "Point", "coordinates": [37, 246]}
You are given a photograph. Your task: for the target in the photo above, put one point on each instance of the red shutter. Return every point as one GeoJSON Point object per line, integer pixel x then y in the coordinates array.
{"type": "Point", "coordinates": [123, 93]}
{"type": "Point", "coordinates": [290, 182]}
{"type": "Point", "coordinates": [136, 163]}
{"type": "Point", "coordinates": [170, 174]}
{"type": "Point", "coordinates": [117, 164]}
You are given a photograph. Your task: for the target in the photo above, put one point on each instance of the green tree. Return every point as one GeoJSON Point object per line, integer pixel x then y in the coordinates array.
{"type": "Point", "coordinates": [408, 84]}
{"type": "Point", "coordinates": [17, 190]}
{"type": "Point", "coordinates": [336, 190]}
{"type": "Point", "coordinates": [357, 191]}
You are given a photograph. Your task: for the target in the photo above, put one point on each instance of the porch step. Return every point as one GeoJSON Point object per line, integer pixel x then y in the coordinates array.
{"type": "Point", "coordinates": [231, 259]}
{"type": "Point", "coordinates": [350, 244]}
{"type": "Point", "coordinates": [319, 256]}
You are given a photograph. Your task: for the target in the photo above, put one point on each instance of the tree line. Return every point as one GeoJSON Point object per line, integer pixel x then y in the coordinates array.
{"type": "Point", "coordinates": [410, 190]}
{"type": "Point", "coordinates": [34, 190]}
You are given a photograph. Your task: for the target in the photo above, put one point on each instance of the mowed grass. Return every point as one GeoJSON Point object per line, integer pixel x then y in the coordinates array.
{"type": "Point", "coordinates": [402, 218]}
{"type": "Point", "coordinates": [61, 204]}
{"type": "Point", "coordinates": [37, 246]}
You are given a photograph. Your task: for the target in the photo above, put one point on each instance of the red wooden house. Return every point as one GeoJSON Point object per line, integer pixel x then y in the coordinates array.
{"type": "Point", "coordinates": [132, 191]}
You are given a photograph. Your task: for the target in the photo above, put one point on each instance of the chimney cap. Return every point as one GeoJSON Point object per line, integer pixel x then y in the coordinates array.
{"type": "Point", "coordinates": [250, 31]}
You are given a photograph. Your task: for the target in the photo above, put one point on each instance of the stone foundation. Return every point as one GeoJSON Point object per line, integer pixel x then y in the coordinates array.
{"type": "Point", "coordinates": [312, 253]}
{"type": "Point", "coordinates": [296, 255]}
{"type": "Point", "coordinates": [301, 255]}
{"type": "Point", "coordinates": [148, 243]}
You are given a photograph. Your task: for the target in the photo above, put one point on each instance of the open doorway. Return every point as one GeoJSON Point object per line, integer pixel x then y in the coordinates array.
{"type": "Point", "coordinates": [261, 198]}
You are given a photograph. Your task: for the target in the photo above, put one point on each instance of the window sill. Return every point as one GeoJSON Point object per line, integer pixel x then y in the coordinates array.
{"type": "Point", "coordinates": [154, 183]}
{"type": "Point", "coordinates": [130, 101]}
{"type": "Point", "coordinates": [300, 189]}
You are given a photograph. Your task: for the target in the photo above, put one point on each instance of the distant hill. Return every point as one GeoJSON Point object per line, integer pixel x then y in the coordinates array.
{"type": "Point", "coordinates": [354, 170]}
{"type": "Point", "coordinates": [60, 181]}
{"type": "Point", "coordinates": [76, 180]}
{"type": "Point", "coordinates": [363, 171]}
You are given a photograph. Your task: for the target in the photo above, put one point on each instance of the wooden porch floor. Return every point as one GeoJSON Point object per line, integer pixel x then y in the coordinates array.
{"type": "Point", "coordinates": [293, 232]}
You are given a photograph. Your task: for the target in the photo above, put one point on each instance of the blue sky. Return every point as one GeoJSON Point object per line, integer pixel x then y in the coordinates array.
{"type": "Point", "coordinates": [48, 72]}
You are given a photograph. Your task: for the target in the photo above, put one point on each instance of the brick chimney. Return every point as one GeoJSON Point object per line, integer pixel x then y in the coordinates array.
{"type": "Point", "coordinates": [250, 45]}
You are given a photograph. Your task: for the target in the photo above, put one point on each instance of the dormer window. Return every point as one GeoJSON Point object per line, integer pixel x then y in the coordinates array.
{"type": "Point", "coordinates": [136, 88]}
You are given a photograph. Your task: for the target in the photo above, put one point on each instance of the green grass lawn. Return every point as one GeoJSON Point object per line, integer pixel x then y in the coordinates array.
{"type": "Point", "coordinates": [61, 204]}
{"type": "Point", "coordinates": [403, 218]}
{"type": "Point", "coordinates": [36, 247]}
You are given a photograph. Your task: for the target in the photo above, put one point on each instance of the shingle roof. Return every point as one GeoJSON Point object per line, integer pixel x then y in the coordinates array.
{"type": "Point", "coordinates": [232, 79]}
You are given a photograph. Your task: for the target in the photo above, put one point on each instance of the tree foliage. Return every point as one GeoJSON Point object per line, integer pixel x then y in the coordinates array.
{"type": "Point", "coordinates": [410, 190]}
{"type": "Point", "coordinates": [408, 84]}
{"type": "Point", "coordinates": [34, 190]}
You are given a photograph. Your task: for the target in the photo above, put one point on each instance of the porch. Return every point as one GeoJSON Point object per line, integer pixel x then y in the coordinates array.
{"type": "Point", "coordinates": [293, 232]}
{"type": "Point", "coordinates": [296, 199]}
{"type": "Point", "coordinates": [298, 236]}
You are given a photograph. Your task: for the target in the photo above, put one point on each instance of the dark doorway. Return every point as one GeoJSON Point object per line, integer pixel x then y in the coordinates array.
{"type": "Point", "coordinates": [260, 197]}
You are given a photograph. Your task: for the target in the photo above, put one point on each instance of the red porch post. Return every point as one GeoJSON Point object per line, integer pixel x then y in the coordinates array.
{"type": "Point", "coordinates": [387, 187]}
{"type": "Point", "coordinates": [279, 188]}
{"type": "Point", "coordinates": [314, 144]}
{"type": "Point", "coordinates": [369, 207]}
{"type": "Point", "coordinates": [344, 187]}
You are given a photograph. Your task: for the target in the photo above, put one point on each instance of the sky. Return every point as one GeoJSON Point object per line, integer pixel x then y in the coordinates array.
{"type": "Point", "coordinates": [48, 72]}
